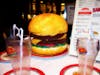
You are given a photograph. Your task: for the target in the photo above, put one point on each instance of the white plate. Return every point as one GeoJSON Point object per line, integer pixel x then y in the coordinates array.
{"type": "Point", "coordinates": [4, 56]}
{"type": "Point", "coordinates": [68, 70]}
{"type": "Point", "coordinates": [33, 71]}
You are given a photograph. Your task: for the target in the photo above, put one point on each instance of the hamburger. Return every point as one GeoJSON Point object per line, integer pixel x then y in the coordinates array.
{"type": "Point", "coordinates": [49, 33]}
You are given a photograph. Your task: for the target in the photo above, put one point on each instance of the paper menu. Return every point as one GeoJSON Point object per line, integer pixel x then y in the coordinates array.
{"type": "Point", "coordinates": [87, 14]}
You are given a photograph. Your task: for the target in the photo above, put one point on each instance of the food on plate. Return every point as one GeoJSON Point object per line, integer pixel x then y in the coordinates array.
{"type": "Point", "coordinates": [76, 73]}
{"type": "Point", "coordinates": [49, 32]}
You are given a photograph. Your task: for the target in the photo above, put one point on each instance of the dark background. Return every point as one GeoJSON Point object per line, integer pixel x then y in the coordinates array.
{"type": "Point", "coordinates": [11, 13]}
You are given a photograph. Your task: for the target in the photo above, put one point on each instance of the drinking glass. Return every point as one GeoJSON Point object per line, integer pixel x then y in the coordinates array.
{"type": "Point", "coordinates": [20, 54]}
{"type": "Point", "coordinates": [87, 51]}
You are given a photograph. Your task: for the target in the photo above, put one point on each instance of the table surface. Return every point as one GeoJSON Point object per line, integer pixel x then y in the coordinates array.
{"type": "Point", "coordinates": [48, 65]}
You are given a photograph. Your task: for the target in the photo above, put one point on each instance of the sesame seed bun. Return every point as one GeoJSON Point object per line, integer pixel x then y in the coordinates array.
{"type": "Point", "coordinates": [50, 51]}
{"type": "Point", "coordinates": [48, 24]}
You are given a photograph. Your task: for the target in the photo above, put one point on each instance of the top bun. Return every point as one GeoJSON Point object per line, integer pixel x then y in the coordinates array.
{"type": "Point", "coordinates": [48, 24]}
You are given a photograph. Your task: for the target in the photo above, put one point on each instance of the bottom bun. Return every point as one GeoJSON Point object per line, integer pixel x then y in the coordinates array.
{"type": "Point", "coordinates": [49, 51]}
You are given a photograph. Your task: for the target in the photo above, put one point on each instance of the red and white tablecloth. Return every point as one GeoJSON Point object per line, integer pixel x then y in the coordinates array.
{"type": "Point", "coordinates": [48, 65]}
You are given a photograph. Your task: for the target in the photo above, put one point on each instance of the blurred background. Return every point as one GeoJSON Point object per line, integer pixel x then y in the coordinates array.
{"type": "Point", "coordinates": [20, 12]}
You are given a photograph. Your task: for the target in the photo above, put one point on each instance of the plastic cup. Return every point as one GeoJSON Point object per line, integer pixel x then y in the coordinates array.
{"type": "Point", "coordinates": [20, 54]}
{"type": "Point", "coordinates": [87, 51]}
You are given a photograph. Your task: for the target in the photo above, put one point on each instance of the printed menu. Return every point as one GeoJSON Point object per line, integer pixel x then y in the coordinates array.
{"type": "Point", "coordinates": [86, 18]}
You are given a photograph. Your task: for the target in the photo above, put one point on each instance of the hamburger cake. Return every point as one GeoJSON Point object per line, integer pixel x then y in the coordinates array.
{"type": "Point", "coordinates": [49, 33]}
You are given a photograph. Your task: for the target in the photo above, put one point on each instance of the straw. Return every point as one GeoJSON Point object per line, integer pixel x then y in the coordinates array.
{"type": "Point", "coordinates": [91, 36]}
{"type": "Point", "coordinates": [85, 66]}
{"type": "Point", "coordinates": [21, 49]}
{"type": "Point", "coordinates": [20, 35]}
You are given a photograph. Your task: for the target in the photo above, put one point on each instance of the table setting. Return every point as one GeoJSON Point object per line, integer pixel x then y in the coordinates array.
{"type": "Point", "coordinates": [28, 55]}
{"type": "Point", "coordinates": [57, 65]}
